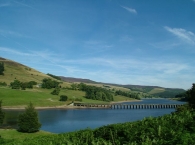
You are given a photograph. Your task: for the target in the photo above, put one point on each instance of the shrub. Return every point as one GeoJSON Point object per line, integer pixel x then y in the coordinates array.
{"type": "Point", "coordinates": [63, 98]}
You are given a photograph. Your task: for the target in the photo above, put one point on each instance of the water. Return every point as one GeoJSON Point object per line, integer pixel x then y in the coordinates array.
{"type": "Point", "coordinates": [68, 120]}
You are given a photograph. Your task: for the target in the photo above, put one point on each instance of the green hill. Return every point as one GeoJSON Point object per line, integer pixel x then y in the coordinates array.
{"type": "Point", "coordinates": [39, 96]}
{"type": "Point", "coordinates": [14, 70]}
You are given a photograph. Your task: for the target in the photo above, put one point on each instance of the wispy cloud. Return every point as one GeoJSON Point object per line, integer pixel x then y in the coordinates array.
{"type": "Point", "coordinates": [186, 36]}
{"type": "Point", "coordinates": [193, 0]}
{"type": "Point", "coordinates": [23, 4]}
{"type": "Point", "coordinates": [8, 50]}
{"type": "Point", "coordinates": [4, 5]}
{"type": "Point", "coordinates": [12, 33]}
{"type": "Point", "coordinates": [130, 10]}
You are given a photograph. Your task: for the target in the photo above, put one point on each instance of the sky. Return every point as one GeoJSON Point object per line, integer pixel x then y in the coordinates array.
{"type": "Point", "coordinates": [134, 42]}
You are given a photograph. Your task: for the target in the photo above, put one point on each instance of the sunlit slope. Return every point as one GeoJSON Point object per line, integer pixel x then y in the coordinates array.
{"type": "Point", "coordinates": [14, 70]}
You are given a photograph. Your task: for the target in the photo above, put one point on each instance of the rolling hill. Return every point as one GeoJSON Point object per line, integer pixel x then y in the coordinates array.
{"type": "Point", "coordinates": [38, 96]}
{"type": "Point", "coordinates": [43, 97]}
{"type": "Point", "coordinates": [152, 90]}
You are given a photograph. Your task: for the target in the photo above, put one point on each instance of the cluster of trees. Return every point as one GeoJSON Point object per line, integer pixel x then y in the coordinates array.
{"type": "Point", "coordinates": [27, 121]}
{"type": "Point", "coordinates": [2, 68]}
{"type": "Point", "coordinates": [191, 96]}
{"type": "Point", "coordinates": [53, 76]}
{"type": "Point", "coordinates": [23, 85]}
{"type": "Point", "coordinates": [128, 94]}
{"type": "Point", "coordinates": [96, 93]}
{"type": "Point", "coordinates": [48, 83]}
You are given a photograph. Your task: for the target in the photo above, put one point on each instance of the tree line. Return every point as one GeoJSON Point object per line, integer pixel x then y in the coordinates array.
{"type": "Point", "coordinates": [53, 76]}
{"type": "Point", "coordinates": [128, 94]}
{"type": "Point", "coordinates": [95, 93]}
{"type": "Point", "coordinates": [16, 84]}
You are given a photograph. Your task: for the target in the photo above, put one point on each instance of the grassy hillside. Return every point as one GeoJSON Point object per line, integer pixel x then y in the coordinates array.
{"type": "Point", "coordinates": [38, 96]}
{"type": "Point", "coordinates": [14, 70]}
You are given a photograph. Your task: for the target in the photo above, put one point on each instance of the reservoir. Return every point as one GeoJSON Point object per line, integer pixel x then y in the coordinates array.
{"type": "Point", "coordinates": [68, 120]}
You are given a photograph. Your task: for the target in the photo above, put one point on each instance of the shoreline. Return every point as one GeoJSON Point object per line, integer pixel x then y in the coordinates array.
{"type": "Point", "coordinates": [71, 106]}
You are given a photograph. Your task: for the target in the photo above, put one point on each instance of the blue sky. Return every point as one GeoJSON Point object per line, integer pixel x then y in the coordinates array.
{"type": "Point", "coordinates": [135, 42]}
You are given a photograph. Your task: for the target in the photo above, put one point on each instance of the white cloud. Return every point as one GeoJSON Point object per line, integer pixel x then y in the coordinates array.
{"type": "Point", "coordinates": [130, 10]}
{"type": "Point", "coordinates": [186, 36]}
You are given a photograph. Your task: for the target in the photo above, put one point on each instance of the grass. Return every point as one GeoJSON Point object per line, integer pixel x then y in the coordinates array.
{"type": "Point", "coordinates": [156, 90]}
{"type": "Point", "coordinates": [43, 97]}
{"type": "Point", "coordinates": [38, 96]}
{"type": "Point", "coordinates": [14, 134]}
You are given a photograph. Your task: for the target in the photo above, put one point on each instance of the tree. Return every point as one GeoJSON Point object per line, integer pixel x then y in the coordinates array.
{"type": "Point", "coordinates": [2, 114]}
{"type": "Point", "coordinates": [2, 68]}
{"type": "Point", "coordinates": [63, 98]}
{"type": "Point", "coordinates": [191, 96]}
{"type": "Point", "coordinates": [74, 86]}
{"type": "Point", "coordinates": [48, 83]}
{"type": "Point", "coordinates": [28, 121]}
{"type": "Point", "coordinates": [16, 84]}
{"type": "Point", "coordinates": [56, 91]}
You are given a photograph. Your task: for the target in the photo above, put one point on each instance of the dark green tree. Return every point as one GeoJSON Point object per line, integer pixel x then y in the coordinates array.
{"type": "Point", "coordinates": [16, 84]}
{"type": "Point", "coordinates": [74, 86]}
{"type": "Point", "coordinates": [28, 121]}
{"type": "Point", "coordinates": [2, 114]}
{"type": "Point", "coordinates": [48, 83]}
{"type": "Point", "coordinates": [63, 98]}
{"type": "Point", "coordinates": [56, 91]}
{"type": "Point", "coordinates": [191, 96]}
{"type": "Point", "coordinates": [2, 68]}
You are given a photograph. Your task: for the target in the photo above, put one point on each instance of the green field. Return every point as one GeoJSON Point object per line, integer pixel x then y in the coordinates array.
{"type": "Point", "coordinates": [43, 97]}
{"type": "Point", "coordinates": [14, 134]}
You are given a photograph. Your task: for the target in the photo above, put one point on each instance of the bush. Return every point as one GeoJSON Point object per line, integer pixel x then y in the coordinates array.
{"type": "Point", "coordinates": [28, 121]}
{"type": "Point", "coordinates": [63, 98]}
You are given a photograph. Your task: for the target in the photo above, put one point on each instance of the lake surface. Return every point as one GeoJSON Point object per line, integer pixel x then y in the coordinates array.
{"type": "Point", "coordinates": [68, 120]}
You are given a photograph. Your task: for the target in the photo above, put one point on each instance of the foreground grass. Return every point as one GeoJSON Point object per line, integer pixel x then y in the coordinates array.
{"type": "Point", "coordinates": [14, 134]}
